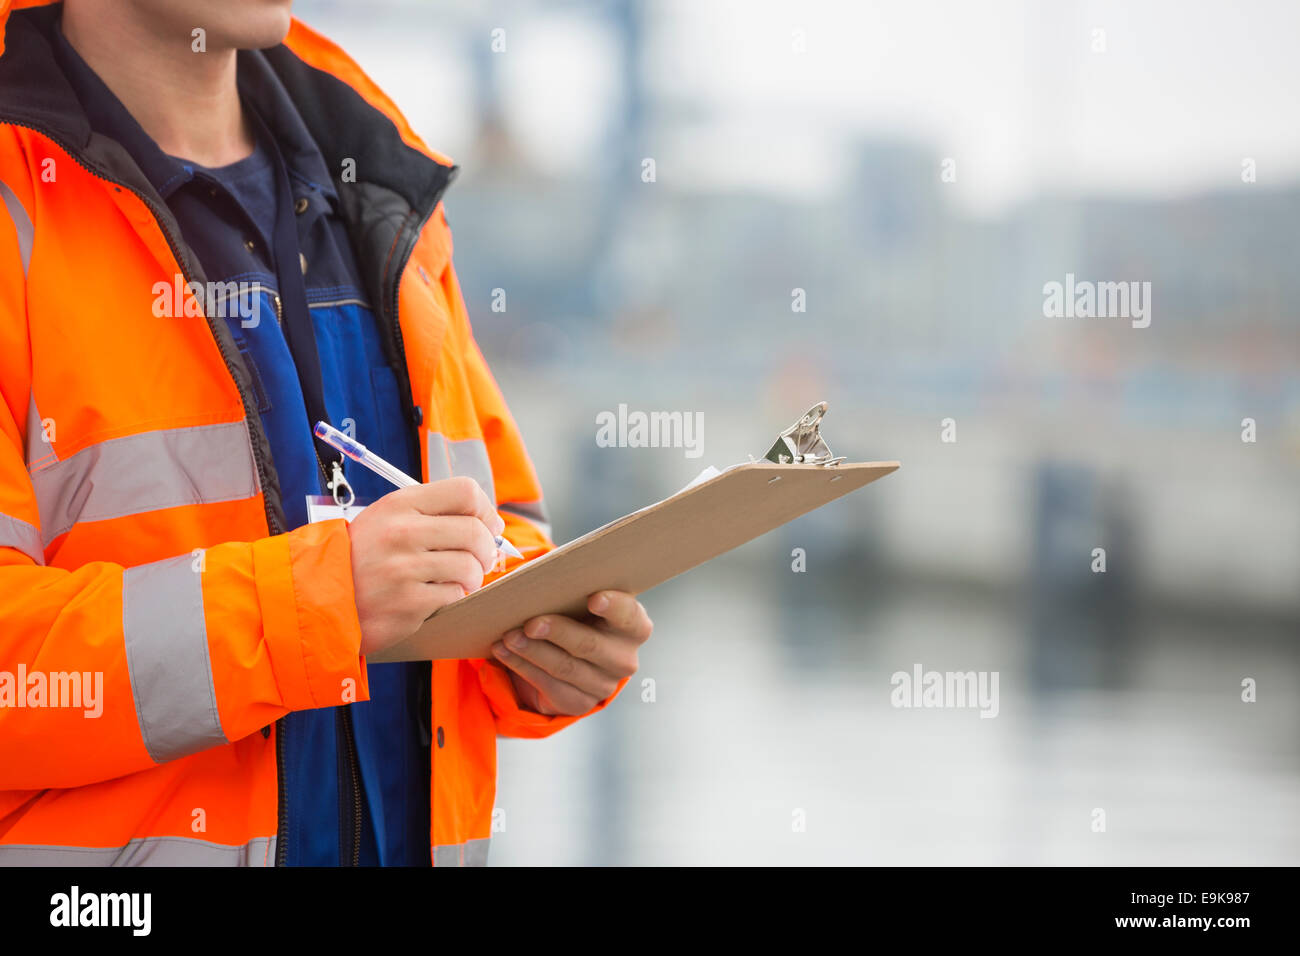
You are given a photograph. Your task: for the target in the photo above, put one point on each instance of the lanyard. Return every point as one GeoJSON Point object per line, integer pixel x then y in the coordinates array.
{"type": "Point", "coordinates": [296, 322]}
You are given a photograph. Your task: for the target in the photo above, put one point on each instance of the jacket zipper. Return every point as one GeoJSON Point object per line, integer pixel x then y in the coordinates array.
{"type": "Point", "coordinates": [350, 758]}
{"type": "Point", "coordinates": [272, 525]}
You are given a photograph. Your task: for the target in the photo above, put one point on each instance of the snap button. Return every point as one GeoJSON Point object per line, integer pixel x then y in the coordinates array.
{"type": "Point", "coordinates": [302, 261]}
{"type": "Point", "coordinates": [419, 416]}
{"type": "Point", "coordinates": [249, 244]}
{"type": "Point", "coordinates": [440, 736]}
{"type": "Point", "coordinates": [300, 206]}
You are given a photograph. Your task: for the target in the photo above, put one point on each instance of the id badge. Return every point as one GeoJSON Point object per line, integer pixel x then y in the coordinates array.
{"type": "Point", "coordinates": [325, 508]}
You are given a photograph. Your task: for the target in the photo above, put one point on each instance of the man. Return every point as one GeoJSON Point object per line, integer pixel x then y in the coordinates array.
{"type": "Point", "coordinates": [211, 239]}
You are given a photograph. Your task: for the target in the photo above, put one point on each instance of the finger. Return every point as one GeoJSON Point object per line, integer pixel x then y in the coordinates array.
{"type": "Point", "coordinates": [453, 533]}
{"type": "Point", "coordinates": [436, 596]}
{"type": "Point", "coordinates": [454, 496]}
{"type": "Point", "coordinates": [563, 698]}
{"type": "Point", "coordinates": [562, 665]}
{"type": "Point", "coordinates": [623, 613]}
{"type": "Point", "coordinates": [612, 653]}
{"type": "Point", "coordinates": [449, 567]}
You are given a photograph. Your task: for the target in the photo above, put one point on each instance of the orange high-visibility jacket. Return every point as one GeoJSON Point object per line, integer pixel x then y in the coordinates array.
{"type": "Point", "coordinates": [143, 546]}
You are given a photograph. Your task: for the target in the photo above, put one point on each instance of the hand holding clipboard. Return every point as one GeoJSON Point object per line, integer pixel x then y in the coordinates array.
{"type": "Point", "coordinates": [649, 546]}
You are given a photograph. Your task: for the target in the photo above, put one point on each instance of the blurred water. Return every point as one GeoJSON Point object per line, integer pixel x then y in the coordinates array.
{"type": "Point", "coordinates": [766, 705]}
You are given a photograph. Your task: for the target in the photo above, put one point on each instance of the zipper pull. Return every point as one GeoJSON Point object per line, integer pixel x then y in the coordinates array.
{"type": "Point", "coordinates": [340, 487]}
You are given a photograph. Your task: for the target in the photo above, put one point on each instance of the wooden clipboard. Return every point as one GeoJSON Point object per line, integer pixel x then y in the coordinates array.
{"type": "Point", "coordinates": [636, 552]}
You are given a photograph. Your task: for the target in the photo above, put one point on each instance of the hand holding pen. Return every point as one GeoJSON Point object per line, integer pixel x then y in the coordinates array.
{"type": "Point", "coordinates": [366, 458]}
{"type": "Point", "coordinates": [414, 551]}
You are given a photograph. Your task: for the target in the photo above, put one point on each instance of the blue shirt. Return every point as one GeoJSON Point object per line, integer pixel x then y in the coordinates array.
{"type": "Point", "coordinates": [227, 216]}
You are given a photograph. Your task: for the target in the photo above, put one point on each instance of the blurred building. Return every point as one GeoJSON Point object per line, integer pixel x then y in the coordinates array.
{"type": "Point", "coordinates": [1121, 690]}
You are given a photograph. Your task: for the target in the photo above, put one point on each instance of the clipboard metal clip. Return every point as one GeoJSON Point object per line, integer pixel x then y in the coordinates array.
{"type": "Point", "coordinates": [802, 442]}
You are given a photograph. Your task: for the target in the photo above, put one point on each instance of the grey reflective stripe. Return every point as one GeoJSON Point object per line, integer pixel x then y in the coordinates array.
{"type": "Point", "coordinates": [532, 511]}
{"type": "Point", "coordinates": [469, 853]}
{"type": "Point", "coordinates": [476, 852]}
{"type": "Point", "coordinates": [22, 224]}
{"type": "Point", "coordinates": [146, 472]}
{"type": "Point", "coordinates": [146, 851]}
{"type": "Point", "coordinates": [466, 457]}
{"type": "Point", "coordinates": [470, 457]}
{"type": "Point", "coordinates": [439, 463]}
{"type": "Point", "coordinates": [167, 658]}
{"type": "Point", "coordinates": [15, 533]}
{"type": "Point", "coordinates": [39, 452]}
{"type": "Point", "coordinates": [446, 855]}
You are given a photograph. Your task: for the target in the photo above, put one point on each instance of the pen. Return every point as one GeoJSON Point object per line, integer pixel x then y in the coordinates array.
{"type": "Point", "coordinates": [368, 459]}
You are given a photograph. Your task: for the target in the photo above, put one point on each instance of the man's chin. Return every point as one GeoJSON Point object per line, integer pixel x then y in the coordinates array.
{"type": "Point", "coordinates": [259, 36]}
{"type": "Point", "coordinates": [245, 25]}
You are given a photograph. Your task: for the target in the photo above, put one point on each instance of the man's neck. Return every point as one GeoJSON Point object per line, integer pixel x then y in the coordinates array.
{"type": "Point", "coordinates": [187, 102]}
